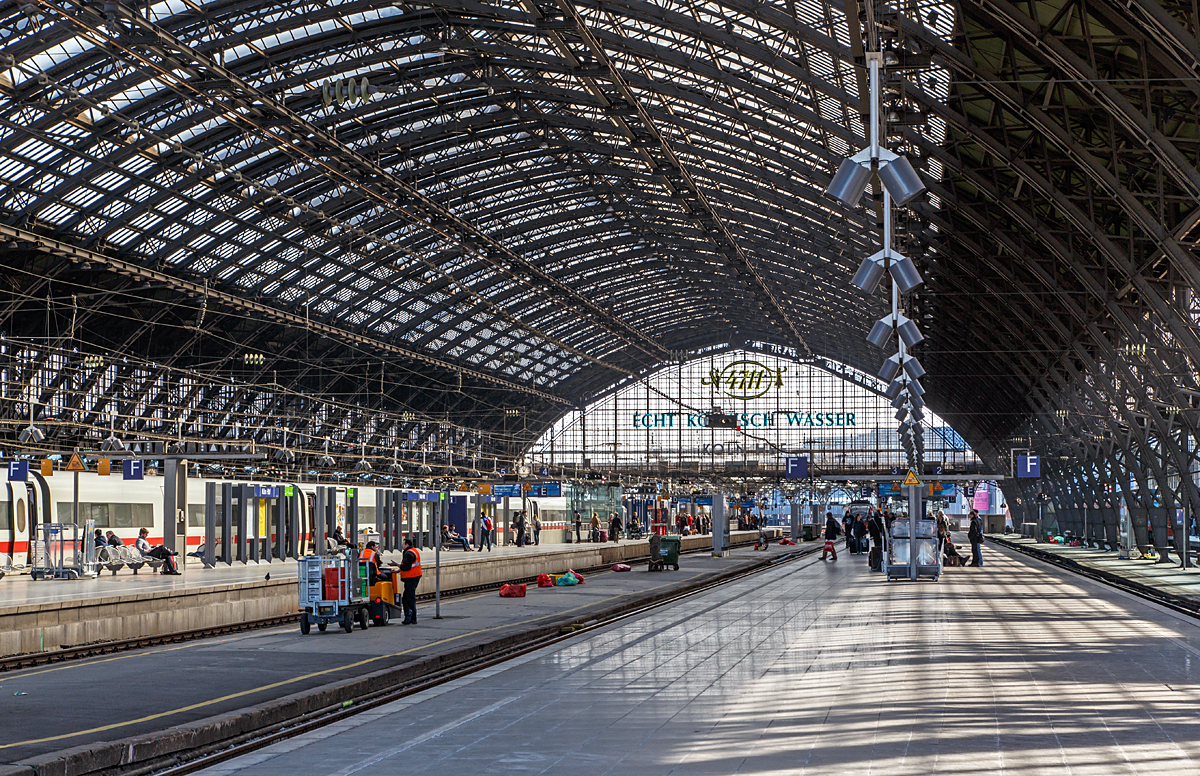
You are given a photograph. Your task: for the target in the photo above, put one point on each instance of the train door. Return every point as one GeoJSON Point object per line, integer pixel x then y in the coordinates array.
{"type": "Point", "coordinates": [308, 508]}
{"type": "Point", "coordinates": [12, 531]}
{"type": "Point", "coordinates": [19, 502]}
{"type": "Point", "coordinates": [423, 523]}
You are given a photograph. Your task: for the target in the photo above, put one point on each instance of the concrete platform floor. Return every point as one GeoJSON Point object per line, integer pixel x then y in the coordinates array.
{"type": "Point", "coordinates": [1169, 577]}
{"type": "Point", "coordinates": [52, 708]}
{"type": "Point", "coordinates": [19, 589]}
{"type": "Point", "coordinates": [814, 668]}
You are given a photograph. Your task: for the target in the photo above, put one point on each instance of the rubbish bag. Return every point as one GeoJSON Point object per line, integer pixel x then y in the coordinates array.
{"type": "Point", "coordinates": [621, 567]}
{"type": "Point", "coordinates": [544, 580]}
{"type": "Point", "coordinates": [512, 591]}
{"type": "Point", "coordinates": [566, 580]}
{"type": "Point", "coordinates": [578, 576]}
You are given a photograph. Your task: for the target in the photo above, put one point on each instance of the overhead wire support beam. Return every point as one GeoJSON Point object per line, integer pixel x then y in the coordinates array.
{"type": "Point", "coordinates": [274, 314]}
{"type": "Point", "coordinates": [635, 122]}
{"type": "Point", "coordinates": [184, 67]}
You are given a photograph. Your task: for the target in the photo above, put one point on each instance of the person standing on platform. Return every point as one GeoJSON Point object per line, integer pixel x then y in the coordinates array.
{"type": "Point", "coordinates": [485, 532]}
{"type": "Point", "coordinates": [519, 527]}
{"type": "Point", "coordinates": [537, 530]}
{"type": "Point", "coordinates": [410, 575]}
{"type": "Point", "coordinates": [614, 527]}
{"type": "Point", "coordinates": [831, 533]}
{"type": "Point", "coordinates": [975, 534]}
{"type": "Point", "coordinates": [578, 528]}
{"type": "Point", "coordinates": [595, 526]}
{"type": "Point", "coordinates": [943, 530]}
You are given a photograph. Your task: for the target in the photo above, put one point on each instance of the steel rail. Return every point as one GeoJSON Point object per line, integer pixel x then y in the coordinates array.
{"type": "Point", "coordinates": [79, 652]}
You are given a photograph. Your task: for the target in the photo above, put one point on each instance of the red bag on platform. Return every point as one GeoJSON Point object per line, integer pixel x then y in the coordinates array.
{"type": "Point", "coordinates": [544, 580]}
{"type": "Point", "coordinates": [621, 567]}
{"type": "Point", "coordinates": [512, 591]}
{"type": "Point", "coordinates": [577, 575]}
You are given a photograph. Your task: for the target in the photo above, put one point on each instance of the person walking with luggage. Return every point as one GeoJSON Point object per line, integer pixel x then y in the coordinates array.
{"type": "Point", "coordinates": [595, 526]}
{"type": "Point", "coordinates": [831, 532]}
{"type": "Point", "coordinates": [485, 532]}
{"type": "Point", "coordinates": [410, 575]}
{"type": "Point", "coordinates": [875, 530]}
{"type": "Point", "coordinates": [614, 527]}
{"type": "Point", "coordinates": [859, 528]}
{"type": "Point", "coordinates": [975, 534]}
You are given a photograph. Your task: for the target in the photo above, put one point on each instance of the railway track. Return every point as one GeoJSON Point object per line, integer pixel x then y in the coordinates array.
{"type": "Point", "coordinates": [187, 762]}
{"type": "Point", "coordinates": [1177, 603]}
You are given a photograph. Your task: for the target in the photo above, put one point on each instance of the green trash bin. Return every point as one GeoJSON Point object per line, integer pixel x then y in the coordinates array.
{"type": "Point", "coordinates": [669, 549]}
{"type": "Point", "coordinates": [808, 532]}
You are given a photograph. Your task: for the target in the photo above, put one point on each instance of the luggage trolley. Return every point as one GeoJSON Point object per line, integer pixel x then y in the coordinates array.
{"type": "Point", "coordinates": [58, 554]}
{"type": "Point", "coordinates": [897, 558]}
{"type": "Point", "coordinates": [333, 590]}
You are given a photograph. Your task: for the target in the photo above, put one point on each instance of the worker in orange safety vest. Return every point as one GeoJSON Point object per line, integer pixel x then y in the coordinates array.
{"type": "Point", "coordinates": [410, 575]}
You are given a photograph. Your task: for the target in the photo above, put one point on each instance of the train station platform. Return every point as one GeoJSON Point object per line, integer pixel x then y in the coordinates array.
{"type": "Point", "coordinates": [225, 681]}
{"type": "Point", "coordinates": [807, 667]}
{"type": "Point", "coordinates": [1167, 579]}
{"type": "Point", "coordinates": [46, 615]}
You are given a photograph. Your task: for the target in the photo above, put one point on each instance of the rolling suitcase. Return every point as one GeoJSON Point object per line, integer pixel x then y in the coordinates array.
{"type": "Point", "coordinates": [875, 558]}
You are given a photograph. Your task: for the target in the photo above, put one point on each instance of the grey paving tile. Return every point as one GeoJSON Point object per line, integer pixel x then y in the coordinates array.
{"type": "Point", "coordinates": [1014, 669]}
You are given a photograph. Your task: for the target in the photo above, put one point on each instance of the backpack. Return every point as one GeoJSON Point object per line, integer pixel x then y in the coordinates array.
{"type": "Point", "coordinates": [487, 524]}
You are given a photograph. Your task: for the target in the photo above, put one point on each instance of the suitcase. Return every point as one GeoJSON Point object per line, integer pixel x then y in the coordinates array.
{"type": "Point", "coordinates": [875, 559]}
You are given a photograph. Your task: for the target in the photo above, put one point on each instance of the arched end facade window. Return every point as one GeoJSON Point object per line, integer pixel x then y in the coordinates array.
{"type": "Point", "coordinates": [778, 407]}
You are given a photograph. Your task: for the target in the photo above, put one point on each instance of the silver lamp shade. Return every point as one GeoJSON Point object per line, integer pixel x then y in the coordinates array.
{"type": "Point", "coordinates": [898, 177]}
{"type": "Point", "coordinates": [909, 332]}
{"type": "Point", "coordinates": [870, 272]}
{"type": "Point", "coordinates": [881, 332]}
{"type": "Point", "coordinates": [850, 181]}
{"type": "Point", "coordinates": [890, 368]}
{"type": "Point", "coordinates": [905, 273]}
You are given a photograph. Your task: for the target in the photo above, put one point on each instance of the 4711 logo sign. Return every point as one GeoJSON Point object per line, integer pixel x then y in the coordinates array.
{"type": "Point", "coordinates": [744, 380]}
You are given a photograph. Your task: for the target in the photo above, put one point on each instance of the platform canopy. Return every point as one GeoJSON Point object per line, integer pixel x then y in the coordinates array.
{"type": "Point", "coordinates": [377, 226]}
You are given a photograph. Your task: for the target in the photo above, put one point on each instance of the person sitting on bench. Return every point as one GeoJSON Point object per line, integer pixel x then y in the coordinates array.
{"type": "Point", "coordinates": [452, 537]}
{"type": "Point", "coordinates": [340, 537]}
{"type": "Point", "coordinates": [160, 552]}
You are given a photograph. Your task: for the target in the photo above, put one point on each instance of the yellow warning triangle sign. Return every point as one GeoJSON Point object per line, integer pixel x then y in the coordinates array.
{"type": "Point", "coordinates": [911, 479]}
{"type": "Point", "coordinates": [76, 464]}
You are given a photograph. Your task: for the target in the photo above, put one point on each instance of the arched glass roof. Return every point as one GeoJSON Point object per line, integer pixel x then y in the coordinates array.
{"type": "Point", "coordinates": [538, 200]}
{"type": "Point", "coordinates": [574, 185]}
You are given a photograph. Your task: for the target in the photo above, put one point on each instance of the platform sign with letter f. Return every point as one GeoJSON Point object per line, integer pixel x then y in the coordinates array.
{"type": "Point", "coordinates": [796, 468]}
{"type": "Point", "coordinates": [1029, 466]}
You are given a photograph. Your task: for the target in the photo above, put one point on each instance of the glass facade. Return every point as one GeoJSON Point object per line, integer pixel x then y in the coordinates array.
{"type": "Point", "coordinates": [781, 407]}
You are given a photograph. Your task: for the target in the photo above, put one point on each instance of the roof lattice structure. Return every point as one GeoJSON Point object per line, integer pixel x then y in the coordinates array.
{"type": "Point", "coordinates": [538, 200]}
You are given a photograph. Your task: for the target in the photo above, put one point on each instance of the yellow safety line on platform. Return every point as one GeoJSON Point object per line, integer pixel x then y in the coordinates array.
{"type": "Point", "coordinates": [273, 685]}
{"type": "Point", "coordinates": [202, 642]}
